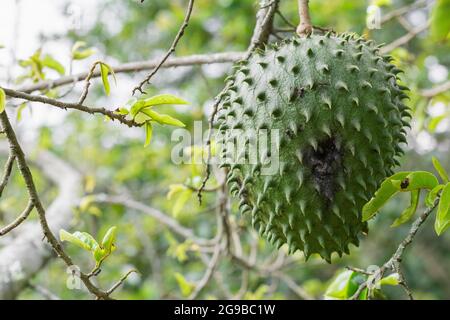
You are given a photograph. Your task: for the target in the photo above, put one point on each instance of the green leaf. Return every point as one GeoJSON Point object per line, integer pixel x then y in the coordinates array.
{"type": "Point", "coordinates": [99, 255]}
{"type": "Point", "coordinates": [51, 63]}
{"type": "Point", "coordinates": [175, 189]}
{"type": "Point", "coordinates": [391, 280]}
{"type": "Point", "coordinates": [185, 286]}
{"type": "Point", "coordinates": [432, 125]}
{"type": "Point", "coordinates": [163, 99]}
{"type": "Point", "coordinates": [122, 110]}
{"type": "Point", "coordinates": [104, 71]}
{"type": "Point", "coordinates": [109, 239]}
{"type": "Point", "coordinates": [81, 54]}
{"type": "Point", "coordinates": [440, 170]}
{"type": "Point", "coordinates": [440, 23]}
{"type": "Point", "coordinates": [180, 201]}
{"type": "Point", "coordinates": [382, 195]}
{"type": "Point", "coordinates": [2, 100]}
{"type": "Point", "coordinates": [148, 133]}
{"type": "Point", "coordinates": [20, 110]}
{"type": "Point", "coordinates": [416, 180]}
{"type": "Point", "coordinates": [344, 286]}
{"type": "Point", "coordinates": [163, 118]}
{"type": "Point", "coordinates": [432, 195]}
{"type": "Point", "coordinates": [141, 118]}
{"type": "Point", "coordinates": [443, 215]}
{"type": "Point", "coordinates": [81, 239]}
{"type": "Point", "coordinates": [408, 212]}
{"type": "Point", "coordinates": [154, 101]}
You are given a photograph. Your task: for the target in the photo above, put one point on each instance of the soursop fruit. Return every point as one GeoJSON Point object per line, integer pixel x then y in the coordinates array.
{"type": "Point", "coordinates": [338, 108]}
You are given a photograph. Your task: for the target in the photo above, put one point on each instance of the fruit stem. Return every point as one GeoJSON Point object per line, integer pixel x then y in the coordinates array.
{"type": "Point", "coordinates": [305, 26]}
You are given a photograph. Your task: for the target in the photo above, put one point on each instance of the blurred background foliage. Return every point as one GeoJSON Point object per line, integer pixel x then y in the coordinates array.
{"type": "Point", "coordinates": [113, 160]}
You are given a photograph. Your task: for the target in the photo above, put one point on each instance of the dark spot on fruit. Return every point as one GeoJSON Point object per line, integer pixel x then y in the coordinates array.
{"type": "Point", "coordinates": [325, 164]}
{"type": "Point", "coordinates": [297, 93]}
{"type": "Point", "coordinates": [289, 133]}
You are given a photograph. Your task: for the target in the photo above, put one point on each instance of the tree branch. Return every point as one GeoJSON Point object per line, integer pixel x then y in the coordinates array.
{"type": "Point", "coordinates": [441, 88]}
{"type": "Point", "coordinates": [69, 105]}
{"type": "Point", "coordinates": [404, 39]}
{"type": "Point", "coordinates": [172, 224]}
{"type": "Point", "coordinates": [197, 59]}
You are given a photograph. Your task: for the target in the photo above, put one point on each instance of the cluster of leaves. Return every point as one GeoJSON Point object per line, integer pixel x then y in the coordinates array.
{"type": "Point", "coordinates": [36, 64]}
{"type": "Point", "coordinates": [345, 285]}
{"type": "Point", "coordinates": [413, 182]}
{"type": "Point", "coordinates": [142, 112]}
{"type": "Point", "coordinates": [87, 242]}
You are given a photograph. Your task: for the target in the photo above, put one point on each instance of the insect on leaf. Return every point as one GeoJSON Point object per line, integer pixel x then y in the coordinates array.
{"type": "Point", "coordinates": [416, 180]}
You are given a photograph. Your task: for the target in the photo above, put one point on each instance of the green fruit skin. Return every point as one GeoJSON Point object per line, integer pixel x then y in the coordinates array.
{"type": "Point", "coordinates": [338, 107]}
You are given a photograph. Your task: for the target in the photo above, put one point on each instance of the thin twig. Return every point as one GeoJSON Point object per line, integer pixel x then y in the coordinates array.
{"type": "Point", "coordinates": [208, 273]}
{"type": "Point", "coordinates": [401, 11]}
{"type": "Point", "coordinates": [119, 283]}
{"type": "Point", "coordinates": [171, 49]}
{"type": "Point", "coordinates": [290, 24]}
{"type": "Point", "coordinates": [87, 83]}
{"type": "Point", "coordinates": [7, 172]}
{"type": "Point", "coordinates": [404, 39]}
{"type": "Point", "coordinates": [21, 218]}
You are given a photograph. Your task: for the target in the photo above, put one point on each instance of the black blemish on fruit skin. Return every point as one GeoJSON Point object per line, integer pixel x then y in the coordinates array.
{"type": "Point", "coordinates": [297, 93]}
{"type": "Point", "coordinates": [325, 163]}
{"type": "Point", "coordinates": [289, 133]}
{"type": "Point", "coordinates": [404, 184]}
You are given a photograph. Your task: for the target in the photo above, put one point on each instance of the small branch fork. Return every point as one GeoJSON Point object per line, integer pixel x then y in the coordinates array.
{"type": "Point", "coordinates": [394, 262]}
{"type": "Point", "coordinates": [171, 49]}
